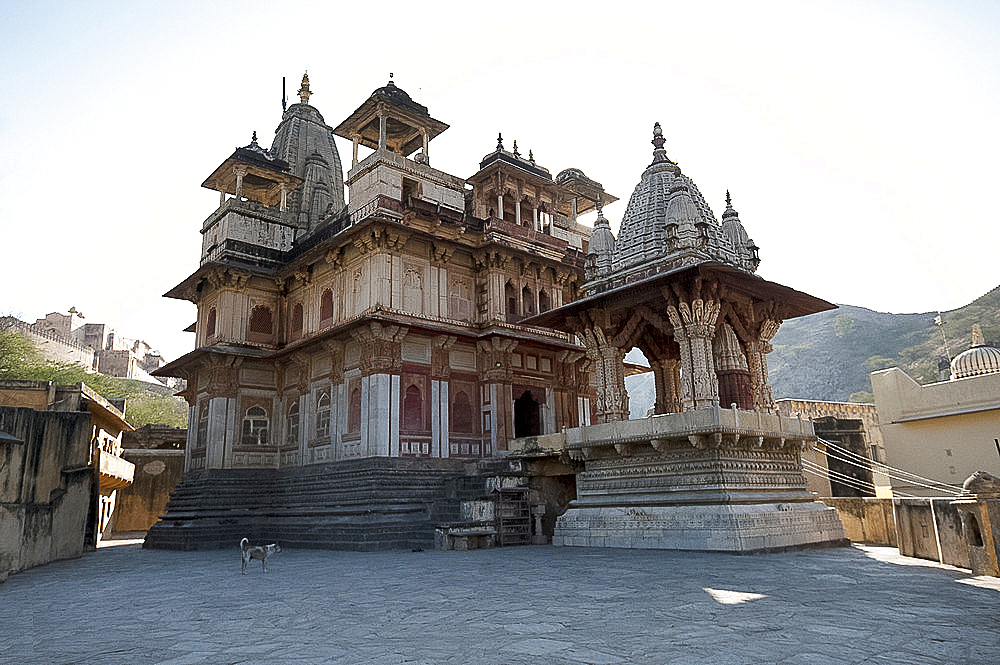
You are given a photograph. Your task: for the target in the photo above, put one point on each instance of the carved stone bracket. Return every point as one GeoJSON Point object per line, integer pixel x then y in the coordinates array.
{"type": "Point", "coordinates": [381, 347]}
{"type": "Point", "coordinates": [223, 374]}
{"type": "Point", "coordinates": [441, 356]}
{"type": "Point", "coordinates": [494, 357]}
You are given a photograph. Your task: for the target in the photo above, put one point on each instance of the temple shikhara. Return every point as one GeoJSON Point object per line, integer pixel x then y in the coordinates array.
{"type": "Point", "coordinates": [363, 363]}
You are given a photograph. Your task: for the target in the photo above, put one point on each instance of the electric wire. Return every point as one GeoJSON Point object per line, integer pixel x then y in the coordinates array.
{"type": "Point", "coordinates": [939, 487]}
{"type": "Point", "coordinates": [842, 454]}
{"type": "Point", "coordinates": [880, 465]}
{"type": "Point", "coordinates": [835, 476]}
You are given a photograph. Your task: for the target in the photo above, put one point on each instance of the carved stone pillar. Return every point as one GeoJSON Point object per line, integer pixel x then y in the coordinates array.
{"type": "Point", "coordinates": [757, 351]}
{"type": "Point", "coordinates": [694, 328]}
{"type": "Point", "coordinates": [667, 380]}
{"type": "Point", "coordinates": [609, 371]}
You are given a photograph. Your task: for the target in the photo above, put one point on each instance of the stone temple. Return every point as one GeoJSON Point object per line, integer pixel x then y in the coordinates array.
{"type": "Point", "coordinates": [363, 363]}
{"type": "Point", "coordinates": [716, 467]}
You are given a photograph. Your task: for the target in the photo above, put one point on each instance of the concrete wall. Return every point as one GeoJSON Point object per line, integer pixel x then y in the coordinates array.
{"type": "Point", "coordinates": [931, 529]}
{"type": "Point", "coordinates": [923, 528]}
{"type": "Point", "coordinates": [944, 431]}
{"type": "Point", "coordinates": [158, 454]}
{"type": "Point", "coordinates": [46, 487]}
{"type": "Point", "coordinates": [866, 520]}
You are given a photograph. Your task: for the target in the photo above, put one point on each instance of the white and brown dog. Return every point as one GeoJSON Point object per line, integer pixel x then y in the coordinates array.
{"type": "Point", "coordinates": [258, 552]}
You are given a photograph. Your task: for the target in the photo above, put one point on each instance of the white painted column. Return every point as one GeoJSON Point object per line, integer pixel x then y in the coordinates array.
{"type": "Point", "coordinates": [500, 206]}
{"type": "Point", "coordinates": [191, 438]}
{"type": "Point", "coordinates": [517, 212]}
{"type": "Point", "coordinates": [444, 418]}
{"type": "Point", "coordinates": [356, 139]}
{"type": "Point", "coordinates": [534, 219]}
{"type": "Point", "coordinates": [215, 451]}
{"type": "Point", "coordinates": [435, 418]}
{"type": "Point", "coordinates": [393, 413]}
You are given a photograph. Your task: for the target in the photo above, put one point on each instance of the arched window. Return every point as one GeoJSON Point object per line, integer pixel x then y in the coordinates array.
{"type": "Point", "coordinates": [354, 411]}
{"type": "Point", "coordinates": [255, 426]}
{"type": "Point", "coordinates": [261, 325]}
{"type": "Point", "coordinates": [528, 300]}
{"type": "Point", "coordinates": [295, 325]}
{"type": "Point", "coordinates": [413, 409]}
{"type": "Point", "coordinates": [323, 415]}
{"type": "Point", "coordinates": [326, 306]}
{"type": "Point", "coordinates": [510, 296]}
{"type": "Point", "coordinates": [292, 424]}
{"type": "Point", "coordinates": [210, 324]}
{"type": "Point", "coordinates": [461, 413]}
{"type": "Point", "coordinates": [543, 301]}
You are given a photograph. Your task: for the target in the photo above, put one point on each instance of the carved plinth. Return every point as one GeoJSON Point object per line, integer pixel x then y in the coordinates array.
{"type": "Point", "coordinates": [709, 479]}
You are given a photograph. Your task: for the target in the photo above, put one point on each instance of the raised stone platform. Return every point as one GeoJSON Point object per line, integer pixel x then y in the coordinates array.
{"type": "Point", "coordinates": [709, 479]}
{"type": "Point", "coordinates": [367, 504]}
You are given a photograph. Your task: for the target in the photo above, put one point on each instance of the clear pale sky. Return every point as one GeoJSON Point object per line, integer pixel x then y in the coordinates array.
{"type": "Point", "coordinates": [859, 140]}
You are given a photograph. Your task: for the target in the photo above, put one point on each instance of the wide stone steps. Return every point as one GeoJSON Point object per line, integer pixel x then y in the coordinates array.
{"type": "Point", "coordinates": [370, 504]}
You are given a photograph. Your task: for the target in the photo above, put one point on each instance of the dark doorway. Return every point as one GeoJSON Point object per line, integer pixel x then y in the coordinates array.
{"type": "Point", "coordinates": [527, 416]}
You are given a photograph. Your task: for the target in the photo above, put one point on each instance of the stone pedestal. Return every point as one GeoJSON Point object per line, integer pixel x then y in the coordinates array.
{"type": "Point", "coordinates": [709, 479]}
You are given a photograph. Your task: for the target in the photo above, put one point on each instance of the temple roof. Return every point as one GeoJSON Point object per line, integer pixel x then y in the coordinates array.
{"type": "Point", "coordinates": [405, 119]}
{"type": "Point", "coordinates": [737, 283]}
{"type": "Point", "coordinates": [264, 174]}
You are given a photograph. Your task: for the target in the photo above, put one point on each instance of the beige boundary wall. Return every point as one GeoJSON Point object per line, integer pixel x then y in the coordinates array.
{"type": "Point", "coordinates": [923, 528]}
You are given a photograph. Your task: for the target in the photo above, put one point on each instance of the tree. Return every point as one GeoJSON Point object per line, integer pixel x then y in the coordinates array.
{"type": "Point", "coordinates": [16, 351]}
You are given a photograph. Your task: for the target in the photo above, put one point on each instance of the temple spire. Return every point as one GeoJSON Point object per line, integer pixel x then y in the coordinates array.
{"type": "Point", "coordinates": [304, 92]}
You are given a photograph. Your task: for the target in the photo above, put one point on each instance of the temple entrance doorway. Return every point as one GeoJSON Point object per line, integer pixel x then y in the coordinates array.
{"type": "Point", "coordinates": [527, 416]}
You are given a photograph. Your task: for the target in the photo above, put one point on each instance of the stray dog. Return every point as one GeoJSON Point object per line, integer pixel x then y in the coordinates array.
{"type": "Point", "coordinates": [259, 552]}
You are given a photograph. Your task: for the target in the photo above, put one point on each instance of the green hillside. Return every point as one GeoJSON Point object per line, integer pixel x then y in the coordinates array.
{"type": "Point", "coordinates": [830, 355]}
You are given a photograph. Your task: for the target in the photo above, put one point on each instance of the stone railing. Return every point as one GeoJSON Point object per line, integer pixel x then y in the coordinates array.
{"type": "Point", "coordinates": [115, 471]}
{"type": "Point", "coordinates": [696, 423]}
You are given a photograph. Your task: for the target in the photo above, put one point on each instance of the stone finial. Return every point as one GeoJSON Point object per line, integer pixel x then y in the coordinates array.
{"type": "Point", "coordinates": [499, 142]}
{"type": "Point", "coordinates": [304, 92]}
{"type": "Point", "coordinates": [253, 139]}
{"type": "Point", "coordinates": [391, 82]}
{"type": "Point", "coordinates": [515, 152]}
{"type": "Point", "coordinates": [531, 156]}
{"type": "Point", "coordinates": [659, 154]}
{"type": "Point", "coordinates": [729, 200]}
{"type": "Point", "coordinates": [977, 336]}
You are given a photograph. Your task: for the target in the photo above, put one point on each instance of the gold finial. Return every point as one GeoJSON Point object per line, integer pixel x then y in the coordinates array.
{"type": "Point", "coordinates": [304, 92]}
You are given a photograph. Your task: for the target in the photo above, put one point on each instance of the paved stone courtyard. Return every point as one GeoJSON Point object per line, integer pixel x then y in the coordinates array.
{"type": "Point", "coordinates": [126, 605]}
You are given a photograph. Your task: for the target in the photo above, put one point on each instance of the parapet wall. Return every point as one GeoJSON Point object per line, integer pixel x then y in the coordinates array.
{"type": "Point", "coordinates": [923, 528]}
{"type": "Point", "coordinates": [46, 487]}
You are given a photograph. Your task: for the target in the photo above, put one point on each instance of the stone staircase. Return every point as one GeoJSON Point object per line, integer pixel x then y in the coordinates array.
{"type": "Point", "coordinates": [365, 505]}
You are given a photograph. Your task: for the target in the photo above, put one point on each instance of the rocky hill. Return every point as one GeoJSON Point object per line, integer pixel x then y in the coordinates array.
{"type": "Point", "coordinates": [830, 355]}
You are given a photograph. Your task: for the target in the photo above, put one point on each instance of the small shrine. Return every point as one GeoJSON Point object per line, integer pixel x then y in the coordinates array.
{"type": "Point", "coordinates": [715, 467]}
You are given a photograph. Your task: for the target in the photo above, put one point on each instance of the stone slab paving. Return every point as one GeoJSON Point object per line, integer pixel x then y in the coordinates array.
{"type": "Point", "coordinates": [125, 605]}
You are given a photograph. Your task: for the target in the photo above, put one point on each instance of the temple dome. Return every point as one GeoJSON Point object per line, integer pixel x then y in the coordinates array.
{"type": "Point", "coordinates": [668, 220]}
{"type": "Point", "coordinates": [979, 359]}
{"type": "Point", "coordinates": [306, 143]}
